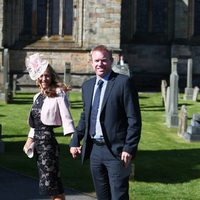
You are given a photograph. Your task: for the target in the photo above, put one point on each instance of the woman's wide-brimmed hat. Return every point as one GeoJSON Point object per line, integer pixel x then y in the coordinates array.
{"type": "Point", "coordinates": [36, 65]}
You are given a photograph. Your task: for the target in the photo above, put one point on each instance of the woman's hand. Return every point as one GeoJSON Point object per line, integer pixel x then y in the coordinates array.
{"type": "Point", "coordinates": [29, 141]}
{"type": "Point", "coordinates": [75, 151]}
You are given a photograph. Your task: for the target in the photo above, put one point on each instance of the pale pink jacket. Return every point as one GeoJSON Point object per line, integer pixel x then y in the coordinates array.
{"type": "Point", "coordinates": [55, 112]}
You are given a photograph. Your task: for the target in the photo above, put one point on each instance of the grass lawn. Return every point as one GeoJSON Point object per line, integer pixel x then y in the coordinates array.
{"type": "Point", "coordinates": [166, 167]}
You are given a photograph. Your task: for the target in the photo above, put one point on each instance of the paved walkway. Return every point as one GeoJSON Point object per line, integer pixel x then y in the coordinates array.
{"type": "Point", "coordinates": [14, 186]}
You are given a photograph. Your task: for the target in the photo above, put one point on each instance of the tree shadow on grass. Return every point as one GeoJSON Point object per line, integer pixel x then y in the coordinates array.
{"type": "Point", "coordinates": [76, 104]}
{"type": "Point", "coordinates": [159, 108]}
{"type": "Point", "coordinates": [22, 101]}
{"type": "Point", "coordinates": [186, 104]}
{"type": "Point", "coordinates": [152, 108]}
{"type": "Point", "coordinates": [73, 173]}
{"type": "Point", "coordinates": [22, 98]}
{"type": "Point", "coordinates": [14, 136]}
{"type": "Point", "coordinates": [167, 166]}
{"type": "Point", "coordinates": [57, 134]}
{"type": "Point", "coordinates": [160, 166]}
{"type": "Point", "coordinates": [143, 97]}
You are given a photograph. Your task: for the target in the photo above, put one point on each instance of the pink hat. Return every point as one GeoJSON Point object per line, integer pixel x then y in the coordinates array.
{"type": "Point", "coordinates": [36, 65]}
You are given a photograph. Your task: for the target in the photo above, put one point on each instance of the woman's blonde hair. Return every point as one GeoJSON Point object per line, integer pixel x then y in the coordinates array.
{"type": "Point", "coordinates": [56, 82]}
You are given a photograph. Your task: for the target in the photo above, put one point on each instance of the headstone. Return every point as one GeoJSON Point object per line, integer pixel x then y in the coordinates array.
{"type": "Point", "coordinates": [174, 62]}
{"type": "Point", "coordinates": [172, 114]}
{"type": "Point", "coordinates": [164, 92]}
{"type": "Point", "coordinates": [182, 128]}
{"type": "Point", "coordinates": [195, 93]}
{"type": "Point", "coordinates": [193, 130]}
{"type": "Point", "coordinates": [121, 69]}
{"type": "Point", "coordinates": [167, 101]}
{"type": "Point", "coordinates": [2, 95]}
{"type": "Point", "coordinates": [67, 71]}
{"type": "Point", "coordinates": [121, 60]}
{"type": "Point", "coordinates": [8, 93]}
{"type": "Point", "coordinates": [189, 90]}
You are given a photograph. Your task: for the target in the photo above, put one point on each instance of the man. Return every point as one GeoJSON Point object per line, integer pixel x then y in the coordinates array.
{"type": "Point", "coordinates": [110, 138]}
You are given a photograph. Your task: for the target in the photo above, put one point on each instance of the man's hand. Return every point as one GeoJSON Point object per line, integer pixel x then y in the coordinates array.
{"type": "Point", "coordinates": [75, 151]}
{"type": "Point", "coordinates": [126, 157]}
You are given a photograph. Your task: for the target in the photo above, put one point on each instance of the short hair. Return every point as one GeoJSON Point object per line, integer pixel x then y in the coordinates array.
{"type": "Point", "coordinates": [102, 48]}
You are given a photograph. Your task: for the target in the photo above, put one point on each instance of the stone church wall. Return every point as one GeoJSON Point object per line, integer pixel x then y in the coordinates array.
{"type": "Point", "coordinates": [100, 22]}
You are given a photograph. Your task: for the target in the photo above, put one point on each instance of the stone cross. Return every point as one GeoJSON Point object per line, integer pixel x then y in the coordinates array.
{"type": "Point", "coordinates": [174, 62]}
{"type": "Point", "coordinates": [189, 73]}
{"type": "Point", "coordinates": [172, 114]}
{"type": "Point", "coordinates": [189, 90]}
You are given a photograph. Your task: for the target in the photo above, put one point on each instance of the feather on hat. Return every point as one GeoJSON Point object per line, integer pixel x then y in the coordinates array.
{"type": "Point", "coordinates": [36, 65]}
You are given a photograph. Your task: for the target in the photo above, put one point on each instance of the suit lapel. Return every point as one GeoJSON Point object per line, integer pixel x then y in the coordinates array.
{"type": "Point", "coordinates": [90, 90]}
{"type": "Point", "coordinates": [109, 87]}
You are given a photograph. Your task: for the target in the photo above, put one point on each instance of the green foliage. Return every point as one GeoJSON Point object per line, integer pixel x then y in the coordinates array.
{"type": "Point", "coordinates": [166, 167]}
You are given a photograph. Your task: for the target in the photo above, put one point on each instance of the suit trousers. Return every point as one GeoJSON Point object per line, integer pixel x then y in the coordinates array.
{"type": "Point", "coordinates": [110, 177]}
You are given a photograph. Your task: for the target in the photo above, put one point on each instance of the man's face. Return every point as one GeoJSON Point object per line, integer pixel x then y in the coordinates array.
{"type": "Point", "coordinates": [101, 63]}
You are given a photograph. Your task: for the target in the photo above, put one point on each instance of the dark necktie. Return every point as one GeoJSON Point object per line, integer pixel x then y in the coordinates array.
{"type": "Point", "coordinates": [95, 107]}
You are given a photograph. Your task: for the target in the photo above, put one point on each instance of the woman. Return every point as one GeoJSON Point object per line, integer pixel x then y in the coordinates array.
{"type": "Point", "coordinates": [50, 109]}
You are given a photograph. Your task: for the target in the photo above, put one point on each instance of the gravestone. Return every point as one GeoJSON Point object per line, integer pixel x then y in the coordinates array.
{"type": "Point", "coordinates": [67, 73]}
{"type": "Point", "coordinates": [182, 128]}
{"type": "Point", "coordinates": [193, 130]}
{"type": "Point", "coordinates": [167, 101]}
{"type": "Point", "coordinates": [2, 95]}
{"type": "Point", "coordinates": [164, 92]}
{"type": "Point", "coordinates": [189, 90]}
{"type": "Point", "coordinates": [121, 67]}
{"type": "Point", "coordinates": [6, 67]}
{"type": "Point", "coordinates": [195, 93]}
{"type": "Point", "coordinates": [172, 110]}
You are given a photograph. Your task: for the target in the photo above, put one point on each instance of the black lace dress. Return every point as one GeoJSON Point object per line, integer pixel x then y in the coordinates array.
{"type": "Point", "coordinates": [47, 153]}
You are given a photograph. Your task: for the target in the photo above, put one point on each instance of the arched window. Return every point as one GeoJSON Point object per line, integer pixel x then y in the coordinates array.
{"type": "Point", "coordinates": [149, 20]}
{"type": "Point", "coordinates": [151, 16]}
{"type": "Point", "coordinates": [51, 20]}
{"type": "Point", "coordinates": [194, 21]}
{"type": "Point", "coordinates": [48, 17]}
